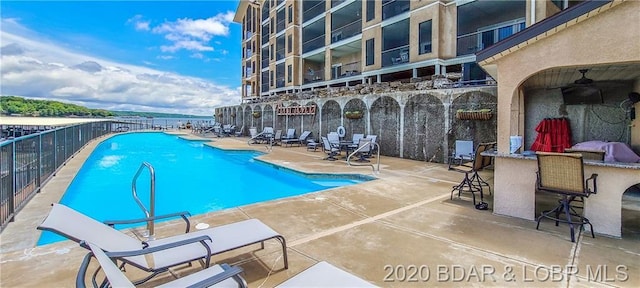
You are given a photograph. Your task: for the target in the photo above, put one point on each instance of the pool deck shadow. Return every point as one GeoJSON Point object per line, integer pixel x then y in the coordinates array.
{"type": "Point", "coordinates": [400, 230]}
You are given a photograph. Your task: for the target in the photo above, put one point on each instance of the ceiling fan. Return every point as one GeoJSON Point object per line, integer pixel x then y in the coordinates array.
{"type": "Point", "coordinates": [583, 80]}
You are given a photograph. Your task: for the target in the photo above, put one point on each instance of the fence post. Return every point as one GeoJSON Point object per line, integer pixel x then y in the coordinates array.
{"type": "Point", "coordinates": [12, 197]}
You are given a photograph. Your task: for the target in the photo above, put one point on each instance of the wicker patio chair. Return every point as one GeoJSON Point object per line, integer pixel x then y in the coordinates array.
{"type": "Point", "coordinates": [563, 174]}
{"type": "Point", "coordinates": [588, 154]}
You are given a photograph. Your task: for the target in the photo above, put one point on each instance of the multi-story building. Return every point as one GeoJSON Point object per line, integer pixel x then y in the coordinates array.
{"type": "Point", "coordinates": [291, 45]}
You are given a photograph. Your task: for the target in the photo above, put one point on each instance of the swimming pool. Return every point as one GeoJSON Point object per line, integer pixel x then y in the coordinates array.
{"type": "Point", "coordinates": [190, 176]}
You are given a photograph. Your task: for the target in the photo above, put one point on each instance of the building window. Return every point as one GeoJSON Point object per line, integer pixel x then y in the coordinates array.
{"type": "Point", "coordinates": [273, 25]}
{"type": "Point", "coordinates": [271, 79]}
{"type": "Point", "coordinates": [272, 51]}
{"type": "Point", "coordinates": [425, 37]}
{"type": "Point", "coordinates": [289, 73]}
{"type": "Point", "coordinates": [371, 9]}
{"type": "Point", "coordinates": [290, 13]}
{"type": "Point", "coordinates": [370, 52]}
{"type": "Point", "coordinates": [289, 44]}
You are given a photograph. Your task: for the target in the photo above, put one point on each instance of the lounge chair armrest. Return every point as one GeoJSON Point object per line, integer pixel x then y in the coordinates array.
{"type": "Point", "coordinates": [184, 215]}
{"type": "Point", "coordinates": [147, 250]}
{"type": "Point", "coordinates": [82, 271]}
{"type": "Point", "coordinates": [593, 182]}
{"type": "Point", "coordinates": [226, 274]}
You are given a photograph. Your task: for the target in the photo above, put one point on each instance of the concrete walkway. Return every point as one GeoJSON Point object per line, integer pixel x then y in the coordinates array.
{"type": "Point", "coordinates": [399, 230]}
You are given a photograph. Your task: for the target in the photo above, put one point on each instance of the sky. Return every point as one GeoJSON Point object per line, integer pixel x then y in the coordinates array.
{"type": "Point", "coordinates": [152, 56]}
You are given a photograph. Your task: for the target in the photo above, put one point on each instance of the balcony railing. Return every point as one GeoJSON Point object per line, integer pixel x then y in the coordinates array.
{"type": "Point", "coordinates": [313, 44]}
{"type": "Point", "coordinates": [335, 3]}
{"type": "Point", "coordinates": [280, 26]}
{"type": "Point", "coordinates": [346, 31]}
{"type": "Point", "coordinates": [395, 56]}
{"type": "Point", "coordinates": [474, 42]}
{"type": "Point", "coordinates": [394, 7]}
{"type": "Point", "coordinates": [313, 11]}
{"type": "Point", "coordinates": [350, 69]}
{"type": "Point", "coordinates": [313, 76]}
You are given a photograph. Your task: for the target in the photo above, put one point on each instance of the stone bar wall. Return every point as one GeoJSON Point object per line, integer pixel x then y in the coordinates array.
{"type": "Point", "coordinates": [414, 124]}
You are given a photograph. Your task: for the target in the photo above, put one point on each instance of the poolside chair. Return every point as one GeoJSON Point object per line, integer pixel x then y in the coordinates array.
{"type": "Point", "coordinates": [563, 174]}
{"type": "Point", "coordinates": [277, 138]}
{"type": "Point", "coordinates": [331, 149]}
{"type": "Point", "coordinates": [597, 155]}
{"type": "Point", "coordinates": [240, 132]}
{"type": "Point", "coordinates": [355, 139]}
{"type": "Point", "coordinates": [253, 134]}
{"type": "Point", "coordinates": [333, 138]}
{"type": "Point", "coordinates": [374, 141]}
{"type": "Point", "coordinates": [291, 134]}
{"type": "Point", "coordinates": [300, 140]}
{"type": "Point", "coordinates": [198, 245]}
{"type": "Point", "coordinates": [221, 275]}
{"type": "Point", "coordinates": [472, 182]}
{"type": "Point", "coordinates": [324, 274]}
{"type": "Point", "coordinates": [463, 153]}
{"type": "Point", "coordinates": [363, 150]}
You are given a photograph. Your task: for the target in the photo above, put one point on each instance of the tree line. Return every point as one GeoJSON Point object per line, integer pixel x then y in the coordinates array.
{"type": "Point", "coordinates": [13, 105]}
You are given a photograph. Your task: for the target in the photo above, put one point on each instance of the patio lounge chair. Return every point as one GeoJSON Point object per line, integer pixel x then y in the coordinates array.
{"type": "Point", "coordinates": [330, 149]}
{"type": "Point", "coordinates": [324, 274]}
{"type": "Point", "coordinates": [221, 275]}
{"type": "Point", "coordinates": [300, 140]}
{"type": "Point", "coordinates": [198, 245]}
{"type": "Point", "coordinates": [291, 134]}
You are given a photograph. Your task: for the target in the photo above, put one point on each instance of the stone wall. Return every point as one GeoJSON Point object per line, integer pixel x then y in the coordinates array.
{"type": "Point", "coordinates": [414, 124]}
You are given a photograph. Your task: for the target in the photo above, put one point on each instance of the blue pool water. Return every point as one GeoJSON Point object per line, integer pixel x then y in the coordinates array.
{"type": "Point", "coordinates": [190, 177]}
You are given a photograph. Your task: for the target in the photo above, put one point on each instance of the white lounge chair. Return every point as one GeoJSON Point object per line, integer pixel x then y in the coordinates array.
{"type": "Point", "coordinates": [324, 274]}
{"type": "Point", "coordinates": [221, 275]}
{"type": "Point", "coordinates": [300, 140]}
{"type": "Point", "coordinates": [198, 245]}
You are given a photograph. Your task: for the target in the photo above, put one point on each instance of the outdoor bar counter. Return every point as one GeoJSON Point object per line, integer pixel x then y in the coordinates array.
{"type": "Point", "coordinates": [514, 189]}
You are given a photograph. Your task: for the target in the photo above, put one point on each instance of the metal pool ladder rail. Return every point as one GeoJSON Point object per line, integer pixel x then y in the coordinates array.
{"type": "Point", "coordinates": [376, 168]}
{"type": "Point", "coordinates": [152, 198]}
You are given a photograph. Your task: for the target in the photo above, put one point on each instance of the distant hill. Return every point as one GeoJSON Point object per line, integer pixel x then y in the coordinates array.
{"type": "Point", "coordinates": [154, 115]}
{"type": "Point", "coordinates": [14, 105]}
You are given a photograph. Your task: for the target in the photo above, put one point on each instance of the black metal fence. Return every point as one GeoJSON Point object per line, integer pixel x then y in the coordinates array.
{"type": "Point", "coordinates": [29, 161]}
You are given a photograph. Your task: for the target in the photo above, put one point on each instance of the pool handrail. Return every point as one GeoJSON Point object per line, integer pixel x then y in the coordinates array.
{"type": "Point", "coordinates": [376, 168]}
{"type": "Point", "coordinates": [152, 198]}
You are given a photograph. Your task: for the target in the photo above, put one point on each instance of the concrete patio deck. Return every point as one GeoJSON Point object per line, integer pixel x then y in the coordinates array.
{"type": "Point", "coordinates": [401, 230]}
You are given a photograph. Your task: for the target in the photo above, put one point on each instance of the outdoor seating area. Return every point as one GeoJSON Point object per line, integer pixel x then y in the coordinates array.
{"type": "Point", "coordinates": [353, 231]}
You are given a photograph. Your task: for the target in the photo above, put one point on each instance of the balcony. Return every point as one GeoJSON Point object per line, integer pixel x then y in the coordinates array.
{"type": "Point", "coordinates": [313, 44]}
{"type": "Point", "coordinates": [473, 42]}
{"type": "Point", "coordinates": [279, 81]}
{"type": "Point", "coordinates": [392, 8]}
{"type": "Point", "coordinates": [335, 3]}
{"type": "Point", "coordinates": [280, 54]}
{"type": "Point", "coordinates": [280, 26]}
{"type": "Point", "coordinates": [346, 31]}
{"type": "Point", "coordinates": [313, 76]}
{"type": "Point", "coordinates": [351, 69]}
{"type": "Point", "coordinates": [396, 56]}
{"type": "Point", "coordinates": [312, 9]}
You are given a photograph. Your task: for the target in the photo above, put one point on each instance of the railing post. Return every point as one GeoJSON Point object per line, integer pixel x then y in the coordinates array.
{"type": "Point", "coordinates": [39, 163]}
{"type": "Point", "coordinates": [12, 197]}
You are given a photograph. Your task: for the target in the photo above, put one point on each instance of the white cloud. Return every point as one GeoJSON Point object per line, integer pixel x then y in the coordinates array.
{"type": "Point", "coordinates": [40, 69]}
{"type": "Point", "coordinates": [165, 57]}
{"type": "Point", "coordinates": [139, 24]}
{"type": "Point", "coordinates": [194, 34]}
